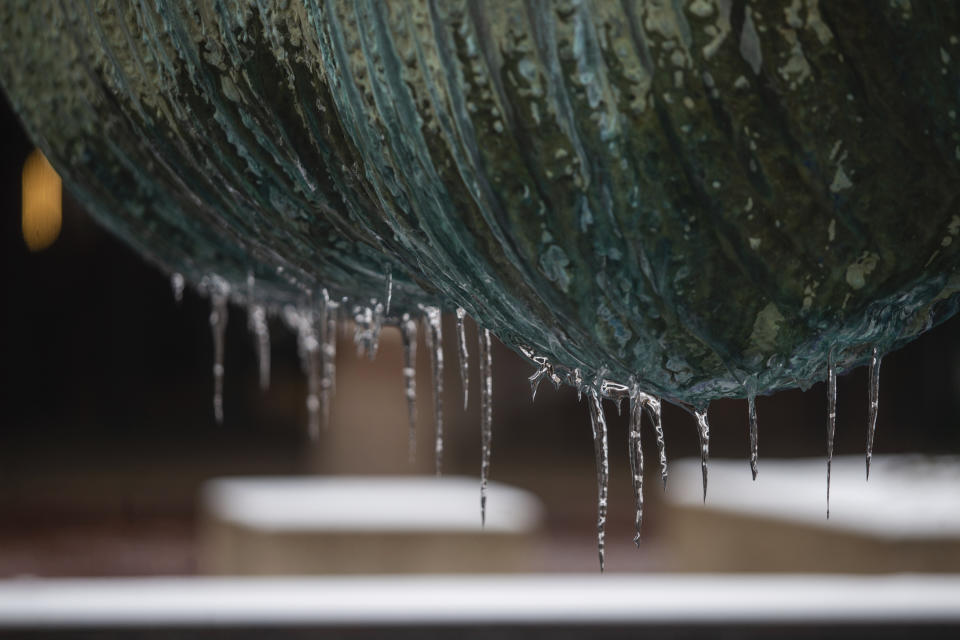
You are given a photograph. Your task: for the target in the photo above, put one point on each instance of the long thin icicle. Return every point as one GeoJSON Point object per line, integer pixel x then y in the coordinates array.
{"type": "Point", "coordinates": [313, 365]}
{"type": "Point", "coordinates": [435, 344]}
{"type": "Point", "coordinates": [486, 416]}
{"type": "Point", "coordinates": [703, 430]}
{"type": "Point", "coordinates": [257, 323]}
{"type": "Point", "coordinates": [177, 284]}
{"type": "Point", "coordinates": [375, 328]}
{"type": "Point", "coordinates": [831, 417]}
{"type": "Point", "coordinates": [874, 406]}
{"type": "Point", "coordinates": [366, 333]}
{"type": "Point", "coordinates": [258, 326]}
{"type": "Point", "coordinates": [308, 349]}
{"type": "Point", "coordinates": [635, 449]}
{"type": "Point", "coordinates": [652, 405]}
{"type": "Point", "coordinates": [386, 307]}
{"type": "Point", "coordinates": [219, 295]}
{"type": "Point", "coordinates": [328, 359]}
{"type": "Point", "coordinates": [464, 354]}
{"type": "Point", "coordinates": [752, 417]}
{"type": "Point", "coordinates": [598, 422]}
{"type": "Point", "coordinates": [408, 331]}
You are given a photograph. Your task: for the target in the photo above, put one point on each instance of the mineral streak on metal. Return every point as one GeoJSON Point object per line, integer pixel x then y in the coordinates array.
{"type": "Point", "coordinates": [752, 418]}
{"type": "Point", "coordinates": [635, 449]}
{"type": "Point", "coordinates": [486, 416]}
{"type": "Point", "coordinates": [219, 290]}
{"type": "Point", "coordinates": [831, 417]}
{"type": "Point", "coordinates": [328, 335]}
{"type": "Point", "coordinates": [177, 284]}
{"type": "Point", "coordinates": [408, 332]}
{"type": "Point", "coordinates": [258, 326]}
{"type": "Point", "coordinates": [874, 395]}
{"type": "Point", "coordinates": [463, 354]}
{"type": "Point", "coordinates": [703, 431]}
{"type": "Point", "coordinates": [598, 423]}
{"type": "Point", "coordinates": [434, 334]}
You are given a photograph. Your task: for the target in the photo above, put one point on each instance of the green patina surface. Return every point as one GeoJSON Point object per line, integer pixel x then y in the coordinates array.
{"type": "Point", "coordinates": [693, 193]}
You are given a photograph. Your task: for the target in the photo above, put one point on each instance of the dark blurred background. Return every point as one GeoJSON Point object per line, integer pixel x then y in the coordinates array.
{"type": "Point", "coordinates": [107, 433]}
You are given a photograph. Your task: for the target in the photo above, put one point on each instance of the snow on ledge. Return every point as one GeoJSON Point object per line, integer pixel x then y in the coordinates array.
{"type": "Point", "coordinates": [370, 503]}
{"type": "Point", "coordinates": [907, 496]}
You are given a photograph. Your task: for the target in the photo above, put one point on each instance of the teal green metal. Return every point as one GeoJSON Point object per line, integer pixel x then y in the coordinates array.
{"type": "Point", "coordinates": [702, 196]}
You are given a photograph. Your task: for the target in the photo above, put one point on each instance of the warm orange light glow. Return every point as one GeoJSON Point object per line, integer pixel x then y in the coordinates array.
{"type": "Point", "coordinates": [42, 202]}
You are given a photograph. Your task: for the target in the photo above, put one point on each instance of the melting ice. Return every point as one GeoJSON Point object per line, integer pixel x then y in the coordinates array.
{"type": "Point", "coordinates": [434, 333]}
{"type": "Point", "coordinates": [486, 416]}
{"type": "Point", "coordinates": [219, 290]}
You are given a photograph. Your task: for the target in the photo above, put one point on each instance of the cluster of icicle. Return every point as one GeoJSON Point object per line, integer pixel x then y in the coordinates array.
{"type": "Point", "coordinates": [641, 402]}
{"type": "Point", "coordinates": [316, 325]}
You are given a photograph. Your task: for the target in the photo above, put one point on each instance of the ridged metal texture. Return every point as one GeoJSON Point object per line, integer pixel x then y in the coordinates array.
{"type": "Point", "coordinates": [699, 194]}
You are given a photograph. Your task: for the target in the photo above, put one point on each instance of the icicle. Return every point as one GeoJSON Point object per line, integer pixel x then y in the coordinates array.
{"type": "Point", "coordinates": [344, 318]}
{"type": "Point", "coordinates": [636, 458]}
{"type": "Point", "coordinates": [375, 328]}
{"type": "Point", "coordinates": [257, 323]}
{"type": "Point", "coordinates": [328, 337]}
{"type": "Point", "coordinates": [408, 331]}
{"type": "Point", "coordinates": [652, 406]}
{"type": "Point", "coordinates": [599, 425]}
{"type": "Point", "coordinates": [555, 378]}
{"type": "Point", "coordinates": [831, 417]}
{"type": "Point", "coordinates": [543, 370]}
{"type": "Point", "coordinates": [615, 391]}
{"type": "Point", "coordinates": [435, 344]}
{"type": "Point", "coordinates": [874, 395]}
{"type": "Point", "coordinates": [578, 383]}
{"type": "Point", "coordinates": [386, 309]}
{"type": "Point", "coordinates": [486, 417]}
{"type": "Point", "coordinates": [368, 322]}
{"type": "Point", "coordinates": [362, 326]}
{"type": "Point", "coordinates": [703, 430]}
{"type": "Point", "coordinates": [177, 284]}
{"type": "Point", "coordinates": [464, 354]}
{"type": "Point", "coordinates": [308, 349]}
{"type": "Point", "coordinates": [219, 293]}
{"type": "Point", "coordinates": [258, 326]}
{"type": "Point", "coordinates": [752, 417]}
{"type": "Point", "coordinates": [661, 441]}
{"type": "Point", "coordinates": [312, 365]}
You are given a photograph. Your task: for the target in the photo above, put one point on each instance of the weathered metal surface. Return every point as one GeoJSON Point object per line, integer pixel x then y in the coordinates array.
{"type": "Point", "coordinates": [689, 193]}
